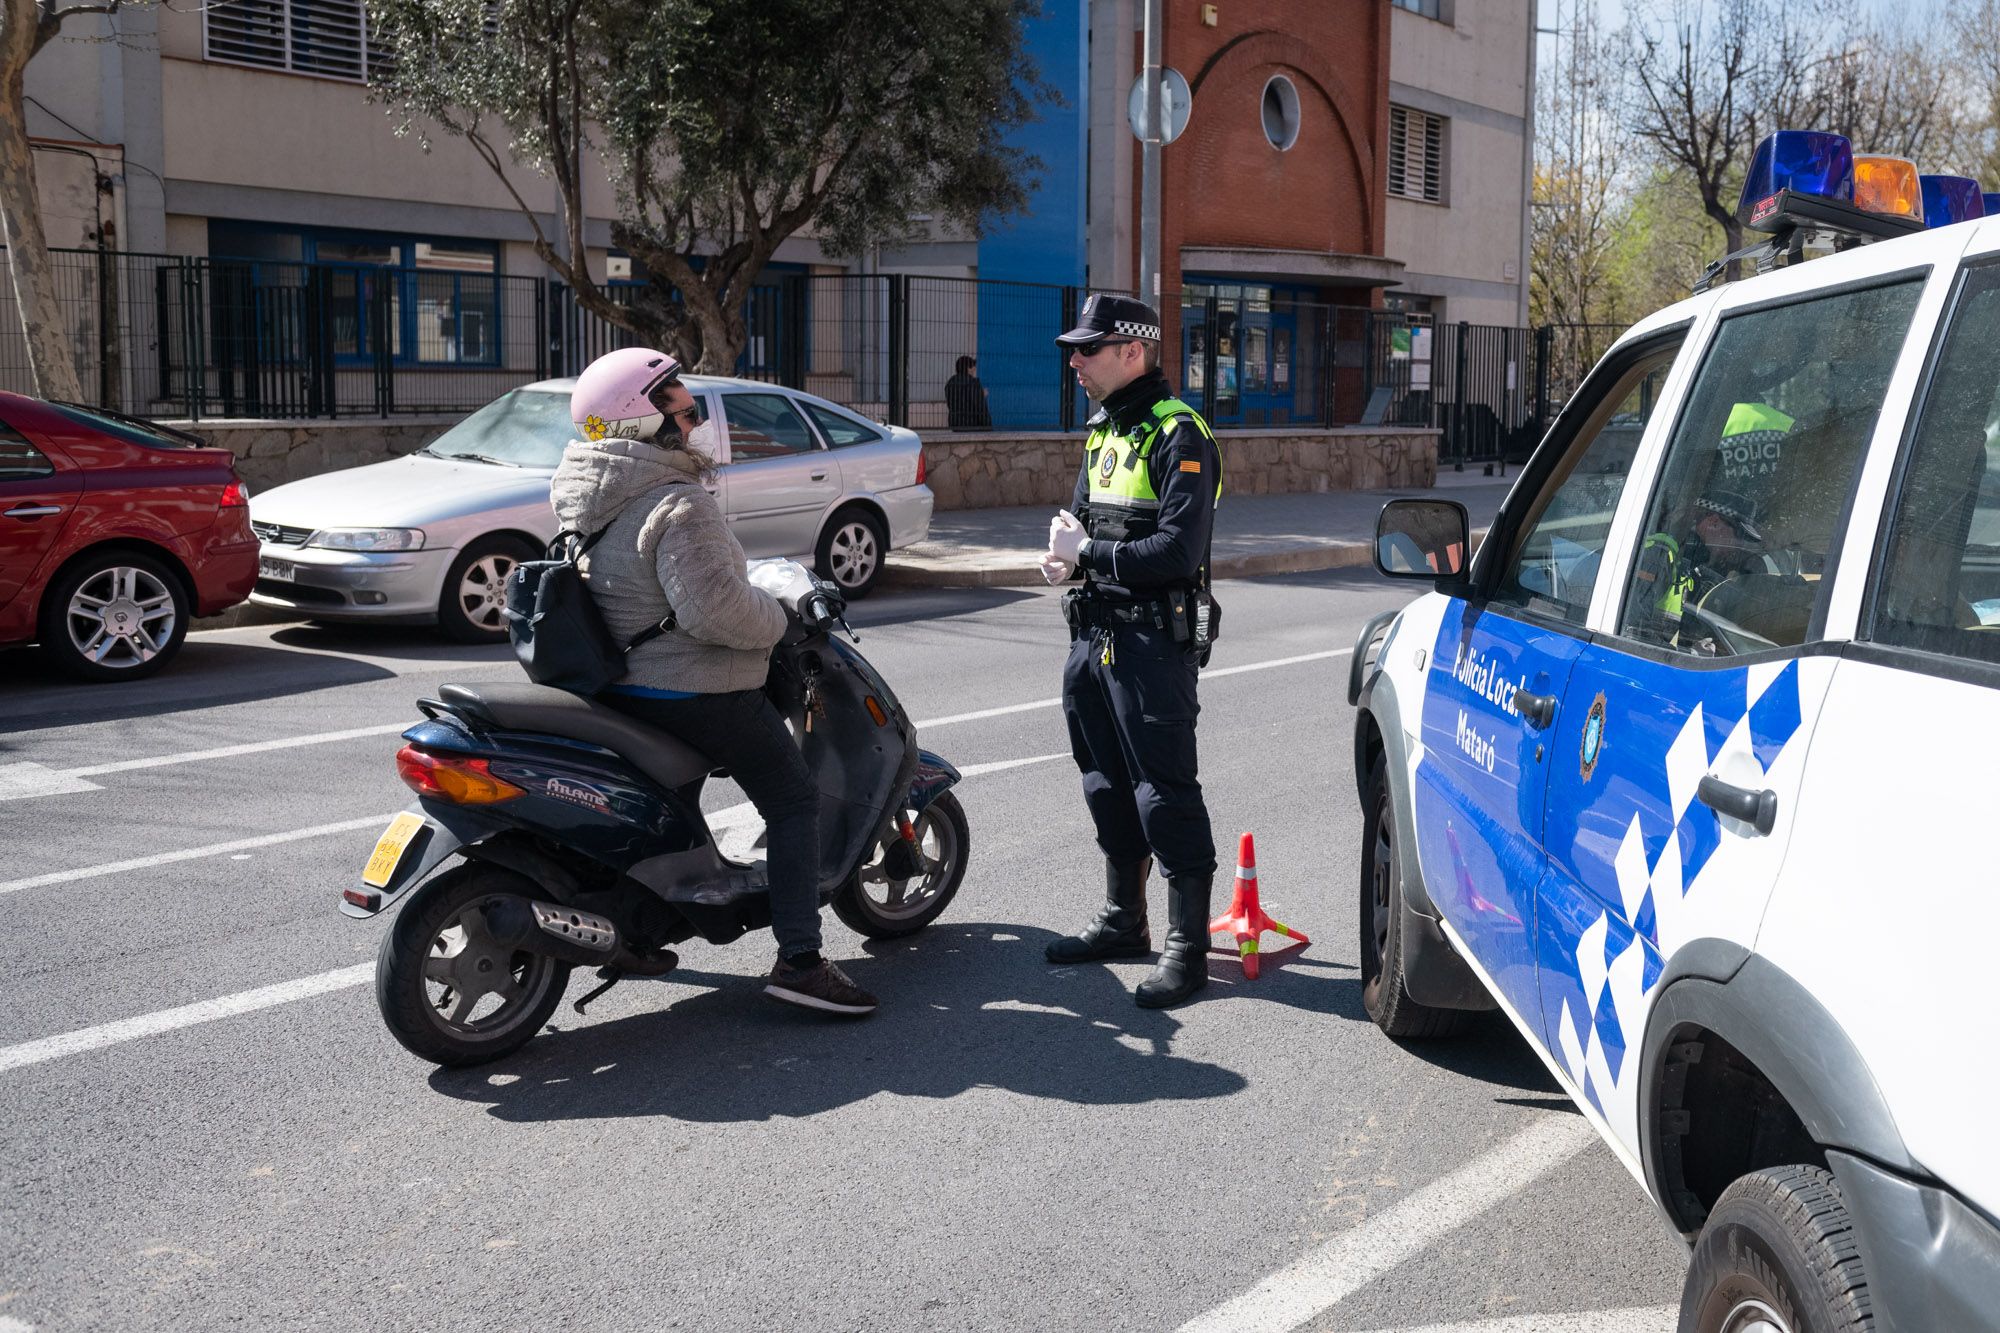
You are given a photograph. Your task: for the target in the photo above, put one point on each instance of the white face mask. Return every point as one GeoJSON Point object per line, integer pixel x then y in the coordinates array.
{"type": "Point", "coordinates": [702, 440]}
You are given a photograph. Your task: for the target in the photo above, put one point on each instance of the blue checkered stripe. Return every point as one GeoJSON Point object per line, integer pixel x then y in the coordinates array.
{"type": "Point", "coordinates": [1616, 959]}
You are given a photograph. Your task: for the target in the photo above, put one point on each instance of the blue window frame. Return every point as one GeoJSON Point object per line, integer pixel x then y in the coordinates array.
{"type": "Point", "coordinates": [443, 297]}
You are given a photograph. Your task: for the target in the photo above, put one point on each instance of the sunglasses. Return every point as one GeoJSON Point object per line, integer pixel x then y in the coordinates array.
{"type": "Point", "coordinates": [691, 414]}
{"type": "Point", "coordinates": [1092, 349]}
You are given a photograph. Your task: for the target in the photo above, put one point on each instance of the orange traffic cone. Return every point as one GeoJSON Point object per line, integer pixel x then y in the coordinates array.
{"type": "Point", "coordinates": [1245, 918]}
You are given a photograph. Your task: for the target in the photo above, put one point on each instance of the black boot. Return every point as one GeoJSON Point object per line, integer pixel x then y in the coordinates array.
{"type": "Point", "coordinates": [1183, 968]}
{"type": "Point", "coordinates": [1120, 928]}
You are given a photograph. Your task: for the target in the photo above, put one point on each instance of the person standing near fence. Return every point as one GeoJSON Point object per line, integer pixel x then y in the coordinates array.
{"type": "Point", "coordinates": [965, 398]}
{"type": "Point", "coordinates": [1138, 531]}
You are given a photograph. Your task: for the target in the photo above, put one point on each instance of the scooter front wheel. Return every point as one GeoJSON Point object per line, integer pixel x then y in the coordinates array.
{"type": "Point", "coordinates": [448, 990]}
{"type": "Point", "coordinates": [881, 902]}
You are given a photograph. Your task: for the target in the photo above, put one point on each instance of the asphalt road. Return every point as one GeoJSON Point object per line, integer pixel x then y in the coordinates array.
{"type": "Point", "coordinates": [206, 1124]}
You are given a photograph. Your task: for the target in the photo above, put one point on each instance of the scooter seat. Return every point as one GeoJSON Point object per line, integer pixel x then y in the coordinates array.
{"type": "Point", "coordinates": [520, 706]}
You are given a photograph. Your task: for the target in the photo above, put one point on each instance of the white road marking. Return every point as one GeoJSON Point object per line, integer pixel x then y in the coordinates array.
{"type": "Point", "coordinates": [187, 1015]}
{"type": "Point", "coordinates": [29, 779]}
{"type": "Point", "coordinates": [1356, 1257]}
{"type": "Point", "coordinates": [1650, 1319]}
{"type": "Point", "coordinates": [1207, 674]}
{"type": "Point", "coordinates": [1002, 765]}
{"type": "Point", "coordinates": [231, 751]}
{"type": "Point", "coordinates": [9, 1324]}
{"type": "Point", "coordinates": [35, 780]}
{"type": "Point", "coordinates": [190, 854]}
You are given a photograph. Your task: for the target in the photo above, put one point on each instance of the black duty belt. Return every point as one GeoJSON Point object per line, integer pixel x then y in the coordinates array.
{"type": "Point", "coordinates": [1094, 613]}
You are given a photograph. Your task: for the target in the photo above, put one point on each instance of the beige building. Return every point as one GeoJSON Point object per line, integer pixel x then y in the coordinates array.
{"type": "Point", "coordinates": [1461, 143]}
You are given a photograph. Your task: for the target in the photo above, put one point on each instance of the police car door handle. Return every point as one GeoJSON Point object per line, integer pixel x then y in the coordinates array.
{"type": "Point", "coordinates": [1759, 809]}
{"type": "Point", "coordinates": [1539, 709]}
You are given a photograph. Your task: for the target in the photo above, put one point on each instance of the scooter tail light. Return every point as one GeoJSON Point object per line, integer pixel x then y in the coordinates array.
{"type": "Point", "coordinates": [460, 781]}
{"type": "Point", "coordinates": [875, 711]}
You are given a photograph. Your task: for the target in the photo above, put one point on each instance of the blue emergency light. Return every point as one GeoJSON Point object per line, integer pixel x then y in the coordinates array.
{"type": "Point", "coordinates": [1949, 199]}
{"type": "Point", "coordinates": [1807, 162]}
{"type": "Point", "coordinates": [1992, 203]}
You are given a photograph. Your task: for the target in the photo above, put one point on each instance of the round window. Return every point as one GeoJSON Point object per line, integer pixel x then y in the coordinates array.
{"type": "Point", "coordinates": [1281, 112]}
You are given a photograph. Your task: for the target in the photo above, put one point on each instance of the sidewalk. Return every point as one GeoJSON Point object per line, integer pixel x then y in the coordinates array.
{"type": "Point", "coordinates": [1254, 534]}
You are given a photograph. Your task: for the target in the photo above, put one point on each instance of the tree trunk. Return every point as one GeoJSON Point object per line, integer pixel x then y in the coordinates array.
{"type": "Point", "coordinates": [51, 360]}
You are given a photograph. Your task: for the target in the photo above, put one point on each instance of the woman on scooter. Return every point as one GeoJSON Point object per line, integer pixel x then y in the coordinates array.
{"type": "Point", "coordinates": [637, 474]}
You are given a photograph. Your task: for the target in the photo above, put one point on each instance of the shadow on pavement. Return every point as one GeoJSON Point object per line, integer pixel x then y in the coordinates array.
{"type": "Point", "coordinates": [207, 673]}
{"type": "Point", "coordinates": [964, 1006]}
{"type": "Point", "coordinates": [891, 605]}
{"type": "Point", "coordinates": [1490, 1050]}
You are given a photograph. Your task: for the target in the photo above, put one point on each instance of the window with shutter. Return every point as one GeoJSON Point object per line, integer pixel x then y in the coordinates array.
{"type": "Point", "coordinates": [1416, 155]}
{"type": "Point", "coordinates": [327, 38]}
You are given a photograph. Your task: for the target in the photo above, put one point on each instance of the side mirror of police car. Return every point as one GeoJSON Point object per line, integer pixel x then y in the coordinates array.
{"type": "Point", "coordinates": [1422, 539]}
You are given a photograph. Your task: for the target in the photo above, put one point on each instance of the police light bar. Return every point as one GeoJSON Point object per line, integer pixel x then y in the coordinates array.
{"type": "Point", "coordinates": [1949, 199]}
{"type": "Point", "coordinates": [1992, 202]}
{"type": "Point", "coordinates": [1804, 180]}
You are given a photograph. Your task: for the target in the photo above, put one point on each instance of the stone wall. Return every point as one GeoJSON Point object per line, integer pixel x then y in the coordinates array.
{"type": "Point", "coordinates": [271, 453]}
{"type": "Point", "coordinates": [966, 471]}
{"type": "Point", "coordinates": [984, 471]}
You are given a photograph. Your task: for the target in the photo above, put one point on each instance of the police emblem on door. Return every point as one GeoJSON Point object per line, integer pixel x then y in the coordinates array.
{"type": "Point", "coordinates": [1593, 736]}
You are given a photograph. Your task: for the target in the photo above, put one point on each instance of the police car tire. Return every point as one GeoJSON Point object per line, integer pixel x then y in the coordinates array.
{"type": "Point", "coordinates": [1383, 990]}
{"type": "Point", "coordinates": [1781, 1237]}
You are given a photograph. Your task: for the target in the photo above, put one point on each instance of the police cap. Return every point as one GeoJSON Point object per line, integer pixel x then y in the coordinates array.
{"type": "Point", "coordinates": [1107, 316]}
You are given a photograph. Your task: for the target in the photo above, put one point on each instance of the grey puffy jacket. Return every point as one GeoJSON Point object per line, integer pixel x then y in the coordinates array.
{"type": "Point", "coordinates": [667, 545]}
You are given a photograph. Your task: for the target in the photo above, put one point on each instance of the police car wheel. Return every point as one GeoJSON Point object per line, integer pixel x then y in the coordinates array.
{"type": "Point", "coordinates": [1778, 1255]}
{"type": "Point", "coordinates": [1383, 989]}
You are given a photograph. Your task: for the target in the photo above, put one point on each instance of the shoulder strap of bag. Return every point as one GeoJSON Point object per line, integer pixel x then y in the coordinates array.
{"type": "Point", "coordinates": [651, 632]}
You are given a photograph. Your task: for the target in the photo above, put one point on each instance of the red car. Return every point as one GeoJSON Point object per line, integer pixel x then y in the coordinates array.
{"type": "Point", "coordinates": [114, 533]}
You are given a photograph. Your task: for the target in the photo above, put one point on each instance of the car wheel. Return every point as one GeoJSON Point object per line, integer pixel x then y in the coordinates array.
{"type": "Point", "coordinates": [851, 552]}
{"type": "Point", "coordinates": [1383, 990]}
{"type": "Point", "coordinates": [119, 615]}
{"type": "Point", "coordinates": [1778, 1255]}
{"type": "Point", "coordinates": [472, 607]}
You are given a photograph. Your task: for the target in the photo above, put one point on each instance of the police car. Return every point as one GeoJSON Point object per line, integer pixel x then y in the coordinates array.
{"type": "Point", "coordinates": [1688, 771]}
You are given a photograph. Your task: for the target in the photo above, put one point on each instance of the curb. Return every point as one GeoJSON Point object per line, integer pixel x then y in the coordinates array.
{"type": "Point", "coordinates": [1251, 564]}
{"type": "Point", "coordinates": [1289, 560]}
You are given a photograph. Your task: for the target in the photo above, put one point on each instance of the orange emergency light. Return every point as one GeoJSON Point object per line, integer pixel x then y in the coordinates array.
{"type": "Point", "coordinates": [1888, 185]}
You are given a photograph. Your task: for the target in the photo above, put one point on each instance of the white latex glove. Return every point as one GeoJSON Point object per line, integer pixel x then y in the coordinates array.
{"type": "Point", "coordinates": [1054, 570]}
{"type": "Point", "coordinates": [1066, 535]}
{"type": "Point", "coordinates": [787, 580]}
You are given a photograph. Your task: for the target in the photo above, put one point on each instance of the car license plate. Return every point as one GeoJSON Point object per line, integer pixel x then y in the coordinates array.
{"type": "Point", "coordinates": [267, 568]}
{"type": "Point", "coordinates": [389, 849]}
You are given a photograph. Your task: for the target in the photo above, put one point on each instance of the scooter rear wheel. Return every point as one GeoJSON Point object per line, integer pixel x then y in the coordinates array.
{"type": "Point", "coordinates": [874, 904]}
{"type": "Point", "coordinates": [448, 991]}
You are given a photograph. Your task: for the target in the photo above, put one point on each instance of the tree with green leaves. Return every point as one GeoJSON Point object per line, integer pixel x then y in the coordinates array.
{"type": "Point", "coordinates": [26, 26]}
{"type": "Point", "coordinates": [724, 128]}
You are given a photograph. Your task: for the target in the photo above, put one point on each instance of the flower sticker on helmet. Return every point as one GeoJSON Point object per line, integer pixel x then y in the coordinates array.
{"type": "Point", "coordinates": [593, 427]}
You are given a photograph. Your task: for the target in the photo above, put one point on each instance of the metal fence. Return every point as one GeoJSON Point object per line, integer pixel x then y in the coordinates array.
{"type": "Point", "coordinates": [167, 335]}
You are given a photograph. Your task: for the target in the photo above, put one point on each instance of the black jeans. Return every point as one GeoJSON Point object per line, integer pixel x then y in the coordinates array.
{"type": "Point", "coordinates": [743, 733]}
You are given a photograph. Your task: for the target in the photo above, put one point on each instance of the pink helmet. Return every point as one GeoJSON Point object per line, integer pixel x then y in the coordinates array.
{"type": "Point", "coordinates": [621, 394]}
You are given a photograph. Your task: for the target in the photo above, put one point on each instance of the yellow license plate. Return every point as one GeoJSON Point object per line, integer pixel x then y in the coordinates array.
{"type": "Point", "coordinates": [389, 849]}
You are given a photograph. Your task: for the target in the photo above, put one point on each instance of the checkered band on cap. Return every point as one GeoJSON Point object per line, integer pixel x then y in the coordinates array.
{"type": "Point", "coordinates": [1127, 329]}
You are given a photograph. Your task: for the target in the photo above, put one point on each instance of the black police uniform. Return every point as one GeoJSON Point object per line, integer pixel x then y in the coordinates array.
{"type": "Point", "coordinates": [1129, 685]}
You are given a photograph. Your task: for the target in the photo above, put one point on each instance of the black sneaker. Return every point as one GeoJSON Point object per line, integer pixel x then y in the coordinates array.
{"type": "Point", "coordinates": [824, 987]}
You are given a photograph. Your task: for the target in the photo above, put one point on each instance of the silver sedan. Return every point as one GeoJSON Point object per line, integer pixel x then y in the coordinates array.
{"type": "Point", "coordinates": [430, 537]}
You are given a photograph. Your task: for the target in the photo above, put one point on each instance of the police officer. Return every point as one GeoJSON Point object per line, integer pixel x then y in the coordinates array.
{"type": "Point", "coordinates": [1137, 530]}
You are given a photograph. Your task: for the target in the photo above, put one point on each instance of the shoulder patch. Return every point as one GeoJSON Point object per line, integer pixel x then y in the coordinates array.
{"type": "Point", "coordinates": [1190, 465]}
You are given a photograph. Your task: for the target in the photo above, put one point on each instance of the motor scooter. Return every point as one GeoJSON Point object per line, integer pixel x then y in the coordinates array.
{"type": "Point", "coordinates": [553, 832]}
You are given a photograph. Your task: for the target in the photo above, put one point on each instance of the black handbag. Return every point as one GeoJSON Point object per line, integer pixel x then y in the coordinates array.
{"type": "Point", "coordinates": [558, 633]}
